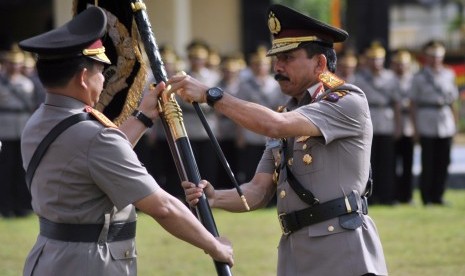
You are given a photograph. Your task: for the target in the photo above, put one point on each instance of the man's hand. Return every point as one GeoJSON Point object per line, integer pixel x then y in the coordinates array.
{"type": "Point", "coordinates": [223, 251]}
{"type": "Point", "coordinates": [193, 193]}
{"type": "Point", "coordinates": [188, 88]}
{"type": "Point", "coordinates": [148, 105]}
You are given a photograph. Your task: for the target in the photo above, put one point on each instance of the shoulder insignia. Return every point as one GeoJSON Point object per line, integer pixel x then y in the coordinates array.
{"type": "Point", "coordinates": [334, 96]}
{"type": "Point", "coordinates": [100, 117]}
{"type": "Point", "coordinates": [330, 80]}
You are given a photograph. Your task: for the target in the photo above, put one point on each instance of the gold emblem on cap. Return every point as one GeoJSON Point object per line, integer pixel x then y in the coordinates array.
{"type": "Point", "coordinates": [273, 24]}
{"type": "Point", "coordinates": [307, 159]}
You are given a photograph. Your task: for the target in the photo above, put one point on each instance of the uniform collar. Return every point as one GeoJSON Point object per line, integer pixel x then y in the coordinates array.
{"type": "Point", "coordinates": [63, 101]}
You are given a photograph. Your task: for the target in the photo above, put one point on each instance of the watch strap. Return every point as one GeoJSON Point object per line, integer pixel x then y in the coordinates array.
{"type": "Point", "coordinates": [143, 118]}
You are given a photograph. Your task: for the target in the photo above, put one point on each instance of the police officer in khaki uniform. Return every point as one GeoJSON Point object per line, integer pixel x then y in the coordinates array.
{"type": "Point", "coordinates": [433, 94]}
{"type": "Point", "coordinates": [258, 87]}
{"type": "Point", "coordinates": [231, 67]}
{"type": "Point", "coordinates": [16, 106]}
{"type": "Point", "coordinates": [381, 88]}
{"type": "Point", "coordinates": [87, 185]}
{"type": "Point", "coordinates": [320, 147]}
{"type": "Point", "coordinates": [198, 52]}
{"type": "Point", "coordinates": [402, 65]}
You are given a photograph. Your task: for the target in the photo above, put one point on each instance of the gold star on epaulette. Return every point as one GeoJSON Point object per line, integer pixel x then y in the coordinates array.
{"type": "Point", "coordinates": [330, 80]}
{"type": "Point", "coordinates": [100, 117]}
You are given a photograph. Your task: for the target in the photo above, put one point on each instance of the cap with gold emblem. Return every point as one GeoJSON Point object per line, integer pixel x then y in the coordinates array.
{"type": "Point", "coordinates": [79, 37]}
{"type": "Point", "coordinates": [198, 49]}
{"type": "Point", "coordinates": [290, 29]}
{"type": "Point", "coordinates": [15, 55]}
{"type": "Point", "coordinates": [402, 57]}
{"type": "Point", "coordinates": [348, 59]}
{"type": "Point", "coordinates": [435, 48]}
{"type": "Point", "coordinates": [375, 51]}
{"type": "Point", "coordinates": [260, 56]}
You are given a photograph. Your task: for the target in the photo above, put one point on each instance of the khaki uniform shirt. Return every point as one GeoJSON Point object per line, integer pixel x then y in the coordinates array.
{"type": "Point", "coordinates": [90, 174]}
{"type": "Point", "coordinates": [434, 94]}
{"type": "Point", "coordinates": [381, 92]}
{"type": "Point", "coordinates": [266, 93]}
{"type": "Point", "coordinates": [16, 105]}
{"type": "Point", "coordinates": [405, 91]}
{"type": "Point", "coordinates": [340, 161]}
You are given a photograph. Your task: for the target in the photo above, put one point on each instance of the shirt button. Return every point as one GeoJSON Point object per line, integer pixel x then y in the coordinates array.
{"type": "Point", "coordinates": [290, 161]}
{"type": "Point", "coordinates": [282, 194]}
{"type": "Point", "coordinates": [126, 254]}
{"type": "Point", "coordinates": [330, 228]}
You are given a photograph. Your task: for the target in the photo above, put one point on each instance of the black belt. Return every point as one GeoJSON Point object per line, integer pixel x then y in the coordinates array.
{"type": "Point", "coordinates": [118, 231]}
{"type": "Point", "coordinates": [430, 105]}
{"type": "Point", "coordinates": [320, 212]}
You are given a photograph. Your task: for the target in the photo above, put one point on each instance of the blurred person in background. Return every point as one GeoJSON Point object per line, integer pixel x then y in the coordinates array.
{"type": "Point", "coordinates": [198, 53]}
{"type": "Point", "coordinates": [380, 87]}
{"type": "Point", "coordinates": [17, 102]}
{"type": "Point", "coordinates": [29, 70]}
{"type": "Point", "coordinates": [347, 66]}
{"type": "Point", "coordinates": [259, 87]}
{"type": "Point", "coordinates": [402, 64]}
{"type": "Point", "coordinates": [433, 95]}
{"type": "Point", "coordinates": [231, 66]}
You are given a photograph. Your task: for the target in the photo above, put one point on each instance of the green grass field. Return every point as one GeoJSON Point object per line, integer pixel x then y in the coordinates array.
{"type": "Point", "coordinates": [417, 241]}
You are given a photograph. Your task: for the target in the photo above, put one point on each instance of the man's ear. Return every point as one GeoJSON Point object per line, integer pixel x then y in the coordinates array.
{"type": "Point", "coordinates": [81, 78]}
{"type": "Point", "coordinates": [321, 63]}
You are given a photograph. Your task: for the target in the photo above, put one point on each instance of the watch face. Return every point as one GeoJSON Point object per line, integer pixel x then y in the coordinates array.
{"type": "Point", "coordinates": [215, 92]}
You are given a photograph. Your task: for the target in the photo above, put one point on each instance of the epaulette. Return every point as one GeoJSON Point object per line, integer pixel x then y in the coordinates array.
{"type": "Point", "coordinates": [330, 80]}
{"type": "Point", "coordinates": [100, 117]}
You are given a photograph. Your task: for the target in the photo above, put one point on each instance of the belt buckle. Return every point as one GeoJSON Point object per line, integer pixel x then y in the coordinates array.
{"type": "Point", "coordinates": [284, 229]}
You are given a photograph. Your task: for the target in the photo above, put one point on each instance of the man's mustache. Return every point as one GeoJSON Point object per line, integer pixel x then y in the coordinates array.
{"type": "Point", "coordinates": [279, 77]}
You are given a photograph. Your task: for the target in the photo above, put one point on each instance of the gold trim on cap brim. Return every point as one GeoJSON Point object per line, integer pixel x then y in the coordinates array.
{"type": "Point", "coordinates": [283, 47]}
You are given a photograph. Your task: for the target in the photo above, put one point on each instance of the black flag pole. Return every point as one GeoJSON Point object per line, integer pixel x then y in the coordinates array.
{"type": "Point", "coordinates": [171, 116]}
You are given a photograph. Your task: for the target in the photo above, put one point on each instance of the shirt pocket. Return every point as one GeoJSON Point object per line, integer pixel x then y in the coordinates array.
{"type": "Point", "coordinates": [308, 157]}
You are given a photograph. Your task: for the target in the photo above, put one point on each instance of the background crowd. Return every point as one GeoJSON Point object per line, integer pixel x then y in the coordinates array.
{"type": "Point", "coordinates": [412, 99]}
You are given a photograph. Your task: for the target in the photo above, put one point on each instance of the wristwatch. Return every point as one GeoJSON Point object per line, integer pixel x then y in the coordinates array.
{"type": "Point", "coordinates": [143, 118]}
{"type": "Point", "coordinates": [214, 94]}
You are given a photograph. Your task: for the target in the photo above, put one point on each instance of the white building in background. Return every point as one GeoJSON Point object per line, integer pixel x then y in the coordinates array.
{"type": "Point", "coordinates": [412, 25]}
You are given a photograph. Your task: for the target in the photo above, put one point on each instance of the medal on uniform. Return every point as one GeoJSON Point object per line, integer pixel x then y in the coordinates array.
{"type": "Point", "coordinates": [307, 159]}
